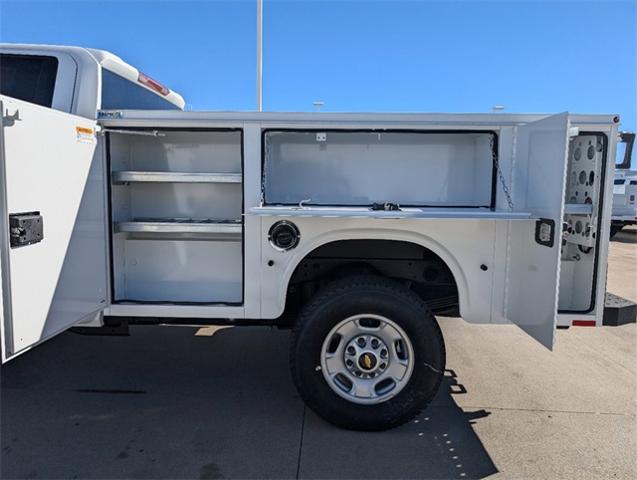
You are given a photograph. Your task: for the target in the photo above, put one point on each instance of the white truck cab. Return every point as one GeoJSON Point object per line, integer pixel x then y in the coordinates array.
{"type": "Point", "coordinates": [78, 80]}
{"type": "Point", "coordinates": [351, 229]}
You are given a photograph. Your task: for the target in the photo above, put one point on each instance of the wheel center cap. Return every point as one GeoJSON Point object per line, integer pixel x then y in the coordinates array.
{"type": "Point", "coordinates": [367, 361]}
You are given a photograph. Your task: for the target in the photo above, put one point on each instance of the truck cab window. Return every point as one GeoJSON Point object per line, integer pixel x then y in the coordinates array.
{"type": "Point", "coordinates": [28, 77]}
{"type": "Point", "coordinates": [118, 92]}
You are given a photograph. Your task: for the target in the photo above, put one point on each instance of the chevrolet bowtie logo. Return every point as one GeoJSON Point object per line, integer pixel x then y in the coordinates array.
{"type": "Point", "coordinates": [367, 360]}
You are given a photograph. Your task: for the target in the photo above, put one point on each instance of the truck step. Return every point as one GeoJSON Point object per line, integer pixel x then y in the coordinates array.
{"type": "Point", "coordinates": [619, 311]}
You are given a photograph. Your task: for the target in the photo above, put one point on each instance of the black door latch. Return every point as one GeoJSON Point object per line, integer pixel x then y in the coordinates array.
{"type": "Point", "coordinates": [25, 228]}
{"type": "Point", "coordinates": [387, 207]}
{"type": "Point", "coordinates": [545, 232]}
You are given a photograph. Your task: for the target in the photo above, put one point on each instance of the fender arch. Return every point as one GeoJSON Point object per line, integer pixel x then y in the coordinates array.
{"type": "Point", "coordinates": [415, 238]}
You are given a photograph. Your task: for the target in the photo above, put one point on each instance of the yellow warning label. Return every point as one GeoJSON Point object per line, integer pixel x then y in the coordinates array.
{"type": "Point", "coordinates": [84, 134]}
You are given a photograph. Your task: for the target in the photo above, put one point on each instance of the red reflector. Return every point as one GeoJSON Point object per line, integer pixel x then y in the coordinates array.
{"type": "Point", "coordinates": [152, 83]}
{"type": "Point", "coordinates": [584, 323]}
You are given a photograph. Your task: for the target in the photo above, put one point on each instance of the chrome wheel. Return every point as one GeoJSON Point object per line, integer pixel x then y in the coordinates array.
{"type": "Point", "coordinates": [367, 359]}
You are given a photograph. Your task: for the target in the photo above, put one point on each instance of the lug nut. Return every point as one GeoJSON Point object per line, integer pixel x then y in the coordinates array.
{"type": "Point", "coordinates": [351, 350]}
{"type": "Point", "coordinates": [349, 363]}
{"type": "Point", "coordinates": [375, 343]}
{"type": "Point", "coordinates": [383, 353]}
{"type": "Point", "coordinates": [361, 342]}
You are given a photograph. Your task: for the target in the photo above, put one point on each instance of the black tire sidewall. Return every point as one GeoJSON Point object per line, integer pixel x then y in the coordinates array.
{"type": "Point", "coordinates": [383, 298]}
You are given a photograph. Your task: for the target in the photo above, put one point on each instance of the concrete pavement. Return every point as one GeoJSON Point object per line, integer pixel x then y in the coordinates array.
{"type": "Point", "coordinates": [166, 403]}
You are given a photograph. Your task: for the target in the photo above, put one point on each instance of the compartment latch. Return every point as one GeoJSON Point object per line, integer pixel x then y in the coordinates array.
{"type": "Point", "coordinates": [545, 232]}
{"type": "Point", "coordinates": [25, 229]}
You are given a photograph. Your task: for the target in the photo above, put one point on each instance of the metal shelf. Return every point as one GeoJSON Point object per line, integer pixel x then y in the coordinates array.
{"type": "Point", "coordinates": [227, 229]}
{"type": "Point", "coordinates": [578, 208]}
{"type": "Point", "coordinates": [133, 176]}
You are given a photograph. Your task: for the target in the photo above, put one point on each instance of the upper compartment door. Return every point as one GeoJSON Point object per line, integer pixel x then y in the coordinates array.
{"type": "Point", "coordinates": [52, 223]}
{"type": "Point", "coordinates": [533, 265]}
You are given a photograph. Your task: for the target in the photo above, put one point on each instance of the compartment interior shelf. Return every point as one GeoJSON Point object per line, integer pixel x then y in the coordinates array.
{"type": "Point", "coordinates": [135, 176]}
{"type": "Point", "coordinates": [578, 208]}
{"type": "Point", "coordinates": [229, 229]}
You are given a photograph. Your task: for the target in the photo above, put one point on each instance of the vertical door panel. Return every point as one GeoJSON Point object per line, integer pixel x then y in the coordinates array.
{"type": "Point", "coordinates": [537, 187]}
{"type": "Point", "coordinates": [51, 167]}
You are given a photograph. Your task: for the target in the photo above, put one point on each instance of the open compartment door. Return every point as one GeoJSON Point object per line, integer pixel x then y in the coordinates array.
{"type": "Point", "coordinates": [52, 224]}
{"type": "Point", "coordinates": [533, 263]}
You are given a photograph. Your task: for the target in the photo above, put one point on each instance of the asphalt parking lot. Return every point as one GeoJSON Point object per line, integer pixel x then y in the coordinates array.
{"type": "Point", "coordinates": [166, 403]}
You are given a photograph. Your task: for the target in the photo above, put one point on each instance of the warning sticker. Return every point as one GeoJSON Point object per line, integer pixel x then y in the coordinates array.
{"type": "Point", "coordinates": [85, 134]}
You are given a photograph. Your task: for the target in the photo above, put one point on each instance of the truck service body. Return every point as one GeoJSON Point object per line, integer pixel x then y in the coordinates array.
{"type": "Point", "coordinates": [352, 229]}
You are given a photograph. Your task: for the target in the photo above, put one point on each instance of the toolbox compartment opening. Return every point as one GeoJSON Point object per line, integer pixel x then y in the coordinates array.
{"type": "Point", "coordinates": [360, 168]}
{"type": "Point", "coordinates": [176, 211]}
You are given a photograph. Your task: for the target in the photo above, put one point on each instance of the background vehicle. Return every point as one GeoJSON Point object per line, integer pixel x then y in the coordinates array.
{"type": "Point", "coordinates": [351, 229]}
{"type": "Point", "coordinates": [625, 188]}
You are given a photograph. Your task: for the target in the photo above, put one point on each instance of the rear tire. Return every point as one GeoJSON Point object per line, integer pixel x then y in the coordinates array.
{"type": "Point", "coordinates": [384, 317]}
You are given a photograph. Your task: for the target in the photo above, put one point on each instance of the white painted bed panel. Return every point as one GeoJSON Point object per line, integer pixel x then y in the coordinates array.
{"type": "Point", "coordinates": [253, 261]}
{"type": "Point", "coordinates": [168, 310]}
{"type": "Point", "coordinates": [464, 246]}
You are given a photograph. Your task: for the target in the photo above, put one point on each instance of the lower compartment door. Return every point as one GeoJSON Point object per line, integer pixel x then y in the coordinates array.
{"type": "Point", "coordinates": [52, 223]}
{"type": "Point", "coordinates": [533, 263]}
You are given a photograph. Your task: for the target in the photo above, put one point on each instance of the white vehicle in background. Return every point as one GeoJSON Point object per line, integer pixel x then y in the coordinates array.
{"type": "Point", "coordinates": [353, 230]}
{"type": "Point", "coordinates": [624, 188]}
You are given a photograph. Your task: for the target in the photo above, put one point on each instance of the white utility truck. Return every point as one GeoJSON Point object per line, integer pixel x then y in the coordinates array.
{"type": "Point", "coordinates": [351, 229]}
{"type": "Point", "coordinates": [624, 210]}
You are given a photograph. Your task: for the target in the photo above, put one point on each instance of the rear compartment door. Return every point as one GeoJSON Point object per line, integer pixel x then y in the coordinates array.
{"type": "Point", "coordinates": [533, 260]}
{"type": "Point", "coordinates": [52, 223]}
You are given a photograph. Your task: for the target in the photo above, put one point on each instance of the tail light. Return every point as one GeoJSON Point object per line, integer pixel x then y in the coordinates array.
{"type": "Point", "coordinates": [152, 84]}
{"type": "Point", "coordinates": [584, 323]}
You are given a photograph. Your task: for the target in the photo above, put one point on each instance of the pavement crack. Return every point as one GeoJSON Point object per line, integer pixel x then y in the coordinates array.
{"type": "Point", "coordinates": [298, 461]}
{"type": "Point", "coordinates": [537, 410]}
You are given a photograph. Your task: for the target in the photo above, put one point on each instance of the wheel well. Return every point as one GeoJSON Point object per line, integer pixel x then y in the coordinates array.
{"type": "Point", "coordinates": [413, 265]}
